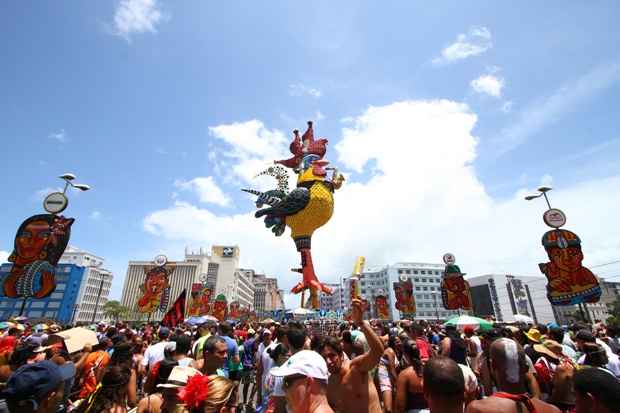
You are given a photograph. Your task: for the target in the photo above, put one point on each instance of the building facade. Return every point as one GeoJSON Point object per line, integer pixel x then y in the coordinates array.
{"type": "Point", "coordinates": [502, 296]}
{"type": "Point", "coordinates": [242, 288]}
{"type": "Point", "coordinates": [78, 275]}
{"type": "Point", "coordinates": [267, 296]}
{"type": "Point", "coordinates": [335, 301]}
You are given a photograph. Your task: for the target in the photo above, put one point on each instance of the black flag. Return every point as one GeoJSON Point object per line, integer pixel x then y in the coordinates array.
{"type": "Point", "coordinates": [176, 315]}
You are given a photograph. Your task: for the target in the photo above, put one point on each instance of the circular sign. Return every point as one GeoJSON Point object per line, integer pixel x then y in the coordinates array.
{"type": "Point", "coordinates": [55, 203]}
{"type": "Point", "coordinates": [554, 218]}
{"type": "Point", "coordinates": [449, 259]}
{"type": "Point", "coordinates": [160, 260]}
{"type": "Point", "coordinates": [203, 278]}
{"type": "Point", "coordinates": [403, 277]}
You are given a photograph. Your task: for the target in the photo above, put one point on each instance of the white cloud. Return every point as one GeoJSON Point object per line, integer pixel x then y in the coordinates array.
{"type": "Point", "coordinates": [299, 89]}
{"type": "Point", "coordinates": [473, 43]}
{"type": "Point", "coordinates": [59, 136]}
{"type": "Point", "coordinates": [423, 200]}
{"type": "Point", "coordinates": [136, 17]}
{"type": "Point", "coordinates": [507, 106]}
{"type": "Point", "coordinates": [550, 109]}
{"type": "Point", "coordinates": [4, 256]}
{"type": "Point", "coordinates": [207, 190]}
{"type": "Point", "coordinates": [95, 215]}
{"type": "Point", "coordinates": [488, 84]}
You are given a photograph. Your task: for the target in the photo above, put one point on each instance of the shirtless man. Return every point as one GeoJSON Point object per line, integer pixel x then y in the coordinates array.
{"type": "Point", "coordinates": [350, 387]}
{"type": "Point", "coordinates": [509, 369]}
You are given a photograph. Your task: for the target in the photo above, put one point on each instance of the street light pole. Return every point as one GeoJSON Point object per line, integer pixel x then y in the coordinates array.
{"type": "Point", "coordinates": [75, 308]}
{"type": "Point", "coordinates": [435, 303]}
{"type": "Point", "coordinates": [98, 295]}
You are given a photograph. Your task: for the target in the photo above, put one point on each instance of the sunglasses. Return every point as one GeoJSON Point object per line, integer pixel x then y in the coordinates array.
{"type": "Point", "coordinates": [287, 383]}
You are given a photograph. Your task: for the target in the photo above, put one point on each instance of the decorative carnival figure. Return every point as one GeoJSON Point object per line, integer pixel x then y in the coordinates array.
{"type": "Point", "coordinates": [200, 304]}
{"type": "Point", "coordinates": [405, 301]}
{"type": "Point", "coordinates": [455, 291]}
{"type": "Point", "coordinates": [382, 307]}
{"type": "Point", "coordinates": [156, 287]}
{"type": "Point", "coordinates": [569, 282]}
{"type": "Point", "coordinates": [220, 307]}
{"type": "Point", "coordinates": [306, 208]}
{"type": "Point", "coordinates": [39, 243]}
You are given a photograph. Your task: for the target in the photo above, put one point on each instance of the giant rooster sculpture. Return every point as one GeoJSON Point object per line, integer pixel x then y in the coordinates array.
{"type": "Point", "coordinates": [306, 208]}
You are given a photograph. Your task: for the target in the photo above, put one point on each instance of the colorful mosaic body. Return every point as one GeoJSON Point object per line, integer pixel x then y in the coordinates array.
{"type": "Point", "coordinates": [382, 307]}
{"type": "Point", "coordinates": [569, 282]}
{"type": "Point", "coordinates": [201, 296]}
{"type": "Point", "coordinates": [155, 289]}
{"type": "Point", "coordinates": [405, 302]}
{"type": "Point", "coordinates": [39, 243]}
{"type": "Point", "coordinates": [455, 292]}
{"type": "Point", "coordinates": [305, 209]}
{"type": "Point", "coordinates": [220, 307]}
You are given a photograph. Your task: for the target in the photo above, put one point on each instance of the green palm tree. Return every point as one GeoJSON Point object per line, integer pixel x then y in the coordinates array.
{"type": "Point", "coordinates": [115, 310]}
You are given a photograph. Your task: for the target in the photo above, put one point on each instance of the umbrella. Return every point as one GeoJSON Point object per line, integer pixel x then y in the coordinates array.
{"type": "Point", "coordinates": [303, 311]}
{"type": "Point", "coordinates": [195, 321]}
{"type": "Point", "coordinates": [6, 324]}
{"type": "Point", "coordinates": [521, 318]}
{"type": "Point", "coordinates": [462, 321]}
{"type": "Point", "coordinates": [41, 327]}
{"type": "Point", "coordinates": [20, 318]}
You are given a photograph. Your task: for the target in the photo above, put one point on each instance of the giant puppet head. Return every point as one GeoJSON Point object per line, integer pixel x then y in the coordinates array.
{"type": "Point", "coordinates": [220, 307]}
{"type": "Point", "coordinates": [155, 287]}
{"type": "Point", "coordinates": [569, 281]}
{"type": "Point", "coordinates": [39, 243]}
{"type": "Point", "coordinates": [403, 291]}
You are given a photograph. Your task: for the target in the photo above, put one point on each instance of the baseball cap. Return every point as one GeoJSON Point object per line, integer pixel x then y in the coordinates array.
{"type": "Point", "coordinates": [164, 332]}
{"type": "Point", "coordinates": [35, 381]}
{"type": "Point", "coordinates": [306, 363]}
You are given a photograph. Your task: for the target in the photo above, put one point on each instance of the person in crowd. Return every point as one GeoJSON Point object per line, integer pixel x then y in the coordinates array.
{"type": "Point", "coordinates": [273, 392]}
{"type": "Point", "coordinates": [111, 396]}
{"type": "Point", "coordinates": [92, 365]}
{"type": "Point", "coordinates": [596, 391]}
{"type": "Point", "coordinates": [265, 362]}
{"type": "Point", "coordinates": [453, 346]}
{"type": "Point", "coordinates": [474, 345]}
{"type": "Point", "coordinates": [214, 355]}
{"type": "Point", "coordinates": [509, 369]}
{"type": "Point", "coordinates": [482, 365]}
{"type": "Point", "coordinates": [122, 357]}
{"type": "Point", "coordinates": [25, 353]}
{"type": "Point", "coordinates": [37, 388]}
{"type": "Point", "coordinates": [304, 380]}
{"type": "Point", "coordinates": [182, 346]}
{"type": "Point", "coordinates": [248, 376]}
{"type": "Point", "coordinates": [386, 373]}
{"type": "Point", "coordinates": [226, 333]}
{"type": "Point", "coordinates": [585, 339]}
{"type": "Point", "coordinates": [557, 334]}
{"type": "Point", "coordinates": [409, 389]}
{"type": "Point", "coordinates": [416, 332]}
{"type": "Point", "coordinates": [207, 394]}
{"type": "Point", "coordinates": [203, 334]}
{"type": "Point", "coordinates": [443, 385]}
{"type": "Point", "coordinates": [155, 352]}
{"type": "Point", "coordinates": [349, 388]}
{"type": "Point", "coordinates": [166, 399]}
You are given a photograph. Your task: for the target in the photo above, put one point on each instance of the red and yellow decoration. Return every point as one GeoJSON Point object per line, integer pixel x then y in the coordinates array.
{"type": "Point", "coordinates": [156, 288]}
{"type": "Point", "coordinates": [382, 307]}
{"type": "Point", "coordinates": [200, 304]}
{"type": "Point", "coordinates": [455, 292]}
{"type": "Point", "coordinates": [220, 307]}
{"type": "Point", "coordinates": [405, 302]}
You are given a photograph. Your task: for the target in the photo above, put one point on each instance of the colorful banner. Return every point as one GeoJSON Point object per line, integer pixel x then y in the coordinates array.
{"type": "Point", "coordinates": [569, 282]}
{"type": "Point", "coordinates": [234, 310]}
{"type": "Point", "coordinates": [382, 307]}
{"type": "Point", "coordinates": [176, 315]}
{"type": "Point", "coordinates": [39, 243]}
{"type": "Point", "coordinates": [405, 302]}
{"type": "Point", "coordinates": [200, 300]}
{"type": "Point", "coordinates": [455, 292]}
{"type": "Point", "coordinates": [220, 307]}
{"type": "Point", "coordinates": [156, 288]}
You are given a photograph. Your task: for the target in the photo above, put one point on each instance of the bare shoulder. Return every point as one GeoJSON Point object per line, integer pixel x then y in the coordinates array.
{"type": "Point", "coordinates": [476, 406]}
{"type": "Point", "coordinates": [543, 407]}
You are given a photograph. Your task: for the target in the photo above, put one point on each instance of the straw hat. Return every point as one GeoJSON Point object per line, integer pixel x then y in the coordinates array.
{"type": "Point", "coordinates": [550, 348]}
{"type": "Point", "coordinates": [178, 377]}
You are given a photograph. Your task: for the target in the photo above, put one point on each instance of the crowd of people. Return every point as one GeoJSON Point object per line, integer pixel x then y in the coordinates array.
{"type": "Point", "coordinates": [356, 366]}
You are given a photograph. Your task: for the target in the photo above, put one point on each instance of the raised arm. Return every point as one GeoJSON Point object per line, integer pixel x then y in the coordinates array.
{"type": "Point", "coordinates": [366, 361]}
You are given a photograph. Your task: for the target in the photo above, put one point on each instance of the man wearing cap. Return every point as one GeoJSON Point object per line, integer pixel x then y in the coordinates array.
{"type": "Point", "coordinates": [155, 352]}
{"type": "Point", "coordinates": [305, 382]}
{"type": "Point", "coordinates": [596, 391]}
{"type": "Point", "coordinates": [585, 336]}
{"type": "Point", "coordinates": [350, 387]}
{"type": "Point", "coordinates": [36, 388]}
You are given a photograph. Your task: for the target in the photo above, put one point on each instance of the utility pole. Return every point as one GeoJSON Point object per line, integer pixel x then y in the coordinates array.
{"type": "Point", "coordinates": [98, 295]}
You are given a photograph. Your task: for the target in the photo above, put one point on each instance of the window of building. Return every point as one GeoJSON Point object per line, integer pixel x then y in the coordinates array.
{"type": "Point", "coordinates": [423, 272]}
{"type": "Point", "coordinates": [61, 287]}
{"type": "Point", "coordinates": [408, 271]}
{"type": "Point", "coordinates": [56, 296]}
{"type": "Point", "coordinates": [415, 271]}
{"type": "Point", "coordinates": [35, 314]}
{"type": "Point", "coordinates": [417, 279]}
{"type": "Point", "coordinates": [37, 304]}
{"type": "Point", "coordinates": [417, 289]}
{"type": "Point", "coordinates": [432, 288]}
{"type": "Point", "coordinates": [50, 314]}
{"type": "Point", "coordinates": [54, 304]}
{"type": "Point", "coordinates": [401, 271]}
{"type": "Point", "coordinates": [426, 296]}
{"type": "Point", "coordinates": [425, 288]}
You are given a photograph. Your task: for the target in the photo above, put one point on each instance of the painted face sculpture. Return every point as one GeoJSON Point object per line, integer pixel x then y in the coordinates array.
{"type": "Point", "coordinates": [219, 307]}
{"type": "Point", "coordinates": [39, 243]}
{"type": "Point", "coordinates": [234, 312]}
{"type": "Point", "coordinates": [200, 301]}
{"type": "Point", "coordinates": [155, 286]}
{"type": "Point", "coordinates": [568, 281]}
{"type": "Point", "coordinates": [455, 292]}
{"type": "Point", "coordinates": [405, 302]}
{"type": "Point", "coordinates": [381, 304]}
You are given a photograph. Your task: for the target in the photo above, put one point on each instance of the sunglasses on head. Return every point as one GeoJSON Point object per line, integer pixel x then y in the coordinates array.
{"type": "Point", "coordinates": [288, 380]}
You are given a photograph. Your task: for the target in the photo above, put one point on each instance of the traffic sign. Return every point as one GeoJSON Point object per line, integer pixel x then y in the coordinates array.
{"type": "Point", "coordinates": [55, 203]}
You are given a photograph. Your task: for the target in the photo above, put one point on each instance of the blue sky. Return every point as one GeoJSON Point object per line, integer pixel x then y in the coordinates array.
{"type": "Point", "coordinates": [152, 103]}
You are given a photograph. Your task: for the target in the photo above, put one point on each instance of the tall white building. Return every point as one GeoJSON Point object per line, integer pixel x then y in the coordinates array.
{"type": "Point", "coordinates": [94, 288]}
{"type": "Point", "coordinates": [503, 295]}
{"type": "Point", "coordinates": [217, 269]}
{"type": "Point", "coordinates": [335, 301]}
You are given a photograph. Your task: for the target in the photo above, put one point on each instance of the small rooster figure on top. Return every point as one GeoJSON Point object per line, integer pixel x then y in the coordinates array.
{"type": "Point", "coordinates": [304, 209]}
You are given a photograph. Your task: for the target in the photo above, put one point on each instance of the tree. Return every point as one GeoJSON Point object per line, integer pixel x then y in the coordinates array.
{"type": "Point", "coordinates": [115, 310]}
{"type": "Point", "coordinates": [614, 310]}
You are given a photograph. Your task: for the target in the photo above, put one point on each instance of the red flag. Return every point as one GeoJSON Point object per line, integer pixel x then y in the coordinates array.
{"type": "Point", "coordinates": [176, 315]}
